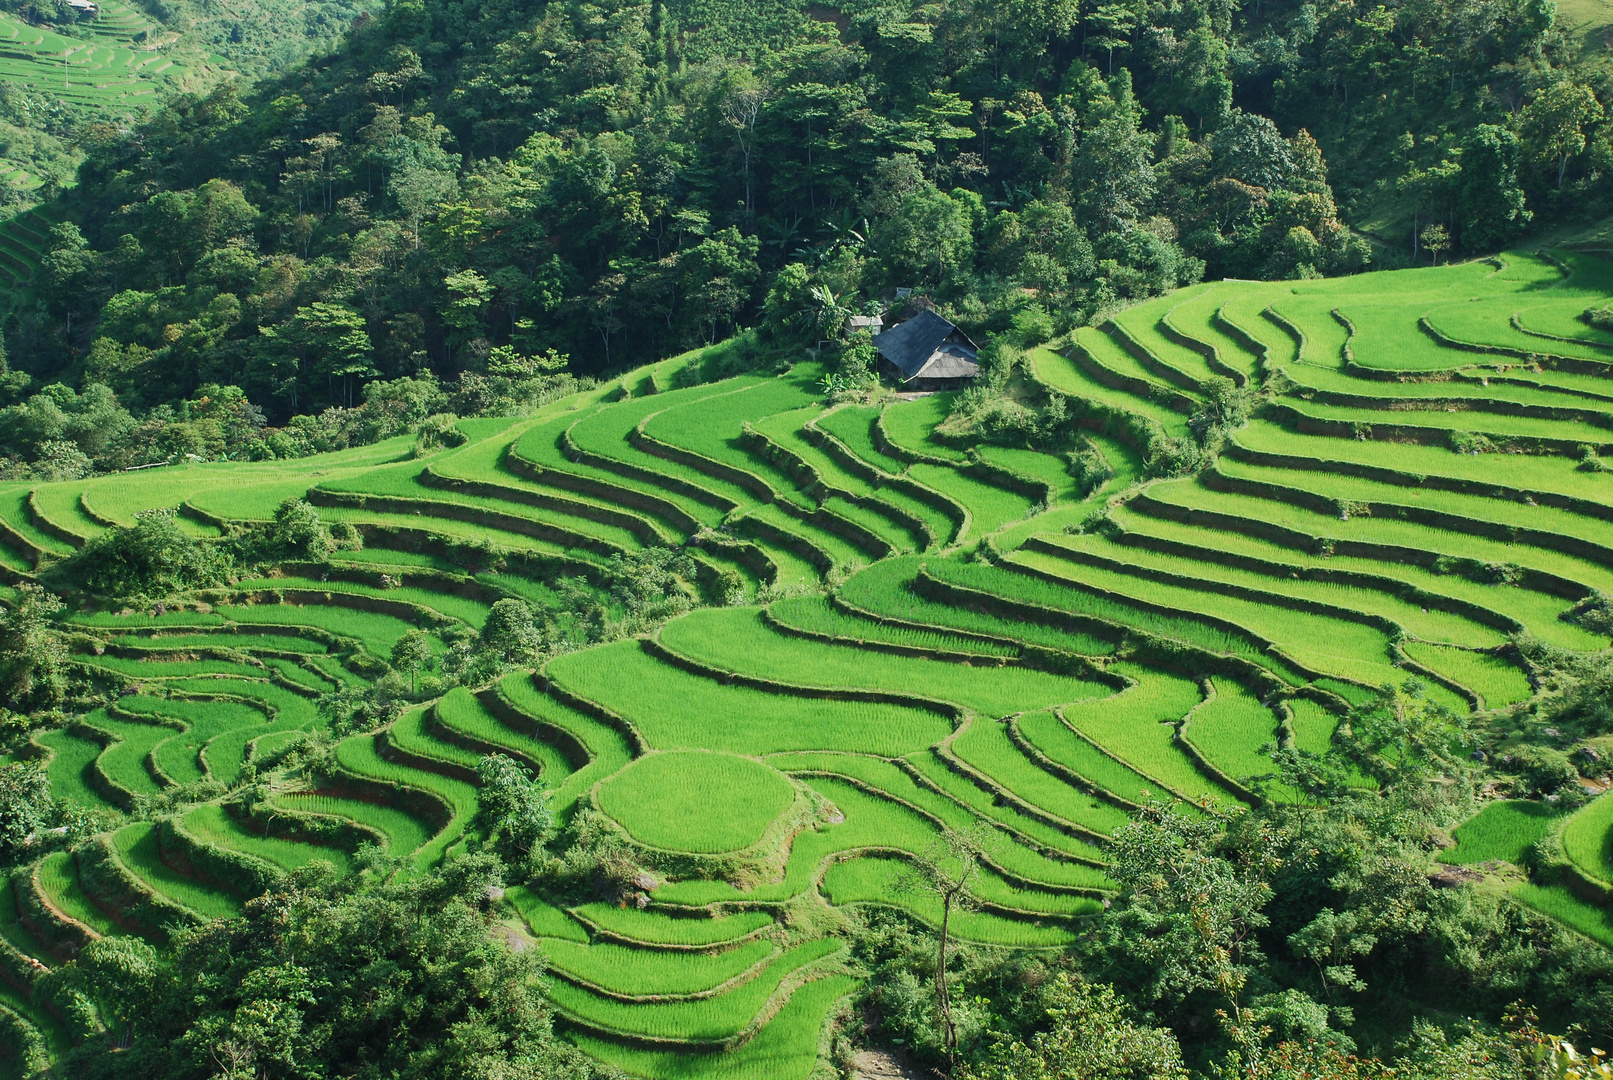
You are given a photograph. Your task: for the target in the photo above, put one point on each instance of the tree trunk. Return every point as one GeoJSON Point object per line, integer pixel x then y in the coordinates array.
{"type": "Point", "coordinates": [949, 1033]}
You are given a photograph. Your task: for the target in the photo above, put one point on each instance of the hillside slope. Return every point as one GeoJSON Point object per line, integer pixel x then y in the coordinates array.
{"type": "Point", "coordinates": [925, 635]}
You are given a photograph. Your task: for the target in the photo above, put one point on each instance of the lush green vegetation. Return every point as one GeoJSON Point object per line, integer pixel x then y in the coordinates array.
{"type": "Point", "coordinates": [1215, 718]}
{"type": "Point", "coordinates": [675, 709]}
{"type": "Point", "coordinates": [1588, 839]}
{"type": "Point", "coordinates": [695, 801]}
{"type": "Point", "coordinates": [1502, 830]}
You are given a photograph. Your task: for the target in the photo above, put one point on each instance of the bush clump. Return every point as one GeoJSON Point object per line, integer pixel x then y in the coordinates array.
{"type": "Point", "coordinates": [149, 560]}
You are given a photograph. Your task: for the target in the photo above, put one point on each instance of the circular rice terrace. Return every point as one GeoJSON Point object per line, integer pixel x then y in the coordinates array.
{"type": "Point", "coordinates": [696, 801]}
{"type": "Point", "coordinates": [933, 636]}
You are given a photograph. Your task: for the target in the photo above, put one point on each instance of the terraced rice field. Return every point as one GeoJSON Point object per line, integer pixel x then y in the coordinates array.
{"type": "Point", "coordinates": [112, 66]}
{"type": "Point", "coordinates": [932, 636]}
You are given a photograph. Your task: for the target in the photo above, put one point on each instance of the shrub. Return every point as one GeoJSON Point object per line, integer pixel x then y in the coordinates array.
{"type": "Point", "coordinates": [1594, 613]}
{"type": "Point", "coordinates": [31, 650]}
{"type": "Point", "coordinates": [359, 708]}
{"type": "Point", "coordinates": [1225, 408]}
{"type": "Point", "coordinates": [24, 801]}
{"type": "Point", "coordinates": [510, 631]}
{"type": "Point", "coordinates": [410, 653]}
{"type": "Point", "coordinates": [1092, 1035]}
{"type": "Point", "coordinates": [1090, 469]}
{"type": "Point", "coordinates": [1543, 770]}
{"type": "Point", "coordinates": [1484, 573]}
{"type": "Point", "coordinates": [151, 559]}
{"type": "Point", "coordinates": [296, 532]}
{"type": "Point", "coordinates": [444, 973]}
{"type": "Point", "coordinates": [1174, 456]}
{"type": "Point", "coordinates": [1463, 442]}
{"type": "Point", "coordinates": [438, 430]}
{"type": "Point", "coordinates": [514, 804]}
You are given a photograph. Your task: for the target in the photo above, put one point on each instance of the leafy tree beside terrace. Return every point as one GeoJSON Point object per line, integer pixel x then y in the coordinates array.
{"type": "Point", "coordinates": [359, 978]}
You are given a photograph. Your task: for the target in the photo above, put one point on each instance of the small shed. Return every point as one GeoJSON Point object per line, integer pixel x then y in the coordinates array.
{"type": "Point", "coordinates": [928, 353]}
{"type": "Point", "coordinates": [871, 323]}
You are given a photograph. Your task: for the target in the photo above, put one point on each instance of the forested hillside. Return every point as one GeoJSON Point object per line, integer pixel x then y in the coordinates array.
{"type": "Point", "coordinates": [474, 187]}
{"type": "Point", "coordinates": [70, 77]}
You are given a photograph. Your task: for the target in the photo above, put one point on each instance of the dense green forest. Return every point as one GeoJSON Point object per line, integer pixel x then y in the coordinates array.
{"type": "Point", "coordinates": [476, 188]}
{"type": "Point", "coordinates": [70, 76]}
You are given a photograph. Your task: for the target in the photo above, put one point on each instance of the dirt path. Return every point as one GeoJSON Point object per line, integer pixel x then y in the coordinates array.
{"type": "Point", "coordinates": [883, 1065]}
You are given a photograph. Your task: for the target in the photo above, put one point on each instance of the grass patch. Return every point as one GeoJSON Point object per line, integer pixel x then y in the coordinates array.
{"type": "Point", "coordinates": [136, 846]}
{"type": "Point", "coordinates": [675, 710]}
{"type": "Point", "coordinates": [872, 880]}
{"type": "Point", "coordinates": [634, 972]}
{"type": "Point", "coordinates": [71, 759]}
{"type": "Point", "coordinates": [1539, 612]}
{"type": "Point", "coordinates": [816, 615]}
{"type": "Point", "coordinates": [705, 1019]}
{"type": "Point", "coordinates": [1016, 858]}
{"type": "Point", "coordinates": [910, 426]}
{"type": "Point", "coordinates": [178, 757]}
{"type": "Point", "coordinates": [660, 928]}
{"type": "Point", "coordinates": [213, 825]}
{"type": "Point", "coordinates": [607, 434]}
{"type": "Point", "coordinates": [966, 792]}
{"type": "Point", "coordinates": [123, 762]}
{"type": "Point", "coordinates": [990, 507]}
{"type": "Point", "coordinates": [1504, 830]}
{"type": "Point", "coordinates": [1065, 376]}
{"type": "Point", "coordinates": [1498, 681]}
{"type": "Point", "coordinates": [1231, 730]}
{"type": "Point", "coordinates": [885, 590]}
{"type": "Point", "coordinates": [607, 750]}
{"type": "Point", "coordinates": [1318, 528]}
{"type": "Point", "coordinates": [1313, 726]}
{"type": "Point", "coordinates": [1049, 735]}
{"type": "Point", "coordinates": [695, 801]}
{"type": "Point", "coordinates": [403, 832]}
{"type": "Point", "coordinates": [1420, 621]}
{"type": "Point", "coordinates": [1588, 839]}
{"type": "Point", "coordinates": [373, 630]}
{"type": "Point", "coordinates": [853, 425]}
{"type": "Point", "coordinates": [461, 711]}
{"type": "Point", "coordinates": [466, 610]}
{"type": "Point", "coordinates": [543, 918]}
{"type": "Point", "coordinates": [282, 643]}
{"type": "Point", "coordinates": [740, 639]}
{"type": "Point", "coordinates": [137, 668]}
{"type": "Point", "coordinates": [786, 1049]}
{"type": "Point", "coordinates": [1556, 901]}
{"type": "Point", "coordinates": [58, 881]}
{"type": "Point", "coordinates": [1138, 726]}
{"type": "Point", "coordinates": [1064, 594]}
{"type": "Point", "coordinates": [712, 427]}
{"type": "Point", "coordinates": [986, 747]}
{"type": "Point", "coordinates": [1332, 646]}
{"type": "Point", "coordinates": [358, 755]}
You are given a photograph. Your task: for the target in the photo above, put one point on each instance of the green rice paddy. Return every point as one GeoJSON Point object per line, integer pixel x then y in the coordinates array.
{"type": "Point", "coordinates": [695, 801]}
{"type": "Point", "coordinates": [1588, 840]}
{"type": "Point", "coordinates": [1035, 671]}
{"type": "Point", "coordinates": [1503, 830]}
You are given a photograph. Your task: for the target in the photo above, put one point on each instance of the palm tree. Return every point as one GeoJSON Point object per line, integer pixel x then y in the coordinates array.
{"type": "Point", "coordinates": [824, 313]}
